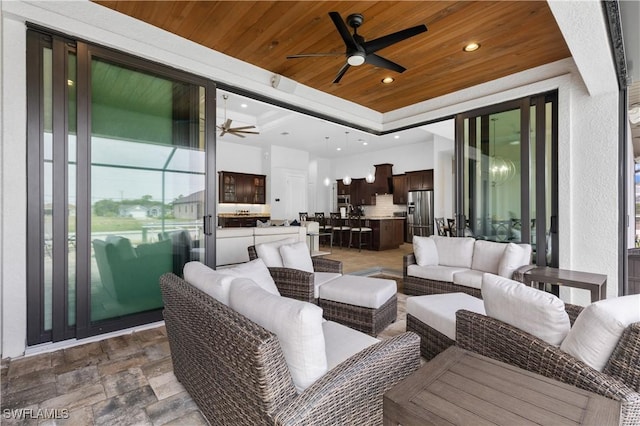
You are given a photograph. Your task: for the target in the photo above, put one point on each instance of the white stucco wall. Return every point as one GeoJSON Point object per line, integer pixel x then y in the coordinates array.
{"type": "Point", "coordinates": [587, 135]}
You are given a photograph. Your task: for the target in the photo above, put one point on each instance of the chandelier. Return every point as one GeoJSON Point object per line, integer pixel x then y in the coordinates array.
{"type": "Point", "coordinates": [501, 170]}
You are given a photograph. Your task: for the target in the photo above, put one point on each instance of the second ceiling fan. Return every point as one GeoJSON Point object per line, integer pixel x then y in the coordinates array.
{"type": "Point", "coordinates": [359, 51]}
{"type": "Point", "coordinates": [225, 127]}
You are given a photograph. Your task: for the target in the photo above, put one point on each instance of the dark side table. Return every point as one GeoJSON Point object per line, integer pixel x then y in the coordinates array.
{"type": "Point", "coordinates": [595, 283]}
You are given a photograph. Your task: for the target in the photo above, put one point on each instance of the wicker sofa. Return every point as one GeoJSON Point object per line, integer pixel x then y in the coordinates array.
{"type": "Point", "coordinates": [620, 379]}
{"type": "Point", "coordinates": [237, 374]}
{"type": "Point", "coordinates": [452, 265]}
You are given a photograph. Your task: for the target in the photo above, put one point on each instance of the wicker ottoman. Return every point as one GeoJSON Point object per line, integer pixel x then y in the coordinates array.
{"type": "Point", "coordinates": [433, 318]}
{"type": "Point", "coordinates": [362, 303]}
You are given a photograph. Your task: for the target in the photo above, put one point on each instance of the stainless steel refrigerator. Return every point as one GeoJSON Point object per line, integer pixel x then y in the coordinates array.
{"type": "Point", "coordinates": [419, 214]}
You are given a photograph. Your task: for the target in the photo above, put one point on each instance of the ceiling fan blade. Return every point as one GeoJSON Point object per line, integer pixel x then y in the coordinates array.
{"type": "Point", "coordinates": [314, 55]}
{"type": "Point", "coordinates": [384, 41]}
{"type": "Point", "coordinates": [227, 124]}
{"type": "Point", "coordinates": [343, 70]}
{"type": "Point", "coordinates": [241, 128]}
{"type": "Point", "coordinates": [381, 62]}
{"type": "Point", "coordinates": [245, 132]}
{"type": "Point", "coordinates": [236, 134]}
{"type": "Point", "coordinates": [344, 31]}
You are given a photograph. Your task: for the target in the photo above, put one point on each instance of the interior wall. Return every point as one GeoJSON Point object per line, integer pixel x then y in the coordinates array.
{"type": "Point", "coordinates": [287, 165]}
{"type": "Point", "coordinates": [444, 178]}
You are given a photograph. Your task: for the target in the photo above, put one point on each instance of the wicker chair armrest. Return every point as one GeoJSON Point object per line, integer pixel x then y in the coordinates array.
{"type": "Point", "coordinates": [326, 265]}
{"type": "Point", "coordinates": [624, 362]}
{"type": "Point", "coordinates": [294, 283]}
{"type": "Point", "coordinates": [351, 393]}
{"type": "Point", "coordinates": [407, 259]}
{"type": "Point", "coordinates": [498, 340]}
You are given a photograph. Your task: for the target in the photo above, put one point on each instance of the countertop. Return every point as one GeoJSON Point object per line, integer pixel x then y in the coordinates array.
{"type": "Point", "coordinates": [244, 215]}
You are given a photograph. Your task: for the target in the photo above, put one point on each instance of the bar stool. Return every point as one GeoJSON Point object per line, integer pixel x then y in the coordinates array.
{"type": "Point", "coordinates": [355, 221]}
{"type": "Point", "coordinates": [337, 225]}
{"type": "Point", "coordinates": [324, 229]}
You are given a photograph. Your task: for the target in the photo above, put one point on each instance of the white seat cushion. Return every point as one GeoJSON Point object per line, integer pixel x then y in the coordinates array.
{"type": "Point", "coordinates": [436, 273]}
{"type": "Point", "coordinates": [534, 311]}
{"type": "Point", "coordinates": [469, 278]}
{"type": "Point", "coordinates": [257, 271]}
{"type": "Point", "coordinates": [599, 327]}
{"type": "Point", "coordinates": [487, 256]}
{"type": "Point", "coordinates": [296, 256]}
{"type": "Point", "coordinates": [215, 283]}
{"type": "Point", "coordinates": [342, 342]}
{"type": "Point", "coordinates": [320, 278]}
{"type": "Point", "coordinates": [438, 311]}
{"type": "Point", "coordinates": [425, 251]}
{"type": "Point", "coordinates": [359, 291]}
{"type": "Point", "coordinates": [455, 251]}
{"type": "Point", "coordinates": [270, 252]}
{"type": "Point", "coordinates": [297, 324]}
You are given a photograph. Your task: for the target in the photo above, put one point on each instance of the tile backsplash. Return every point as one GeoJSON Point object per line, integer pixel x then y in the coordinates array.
{"type": "Point", "coordinates": [384, 206]}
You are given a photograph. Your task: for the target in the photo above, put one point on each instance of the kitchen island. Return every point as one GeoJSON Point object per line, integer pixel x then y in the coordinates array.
{"type": "Point", "coordinates": [387, 232]}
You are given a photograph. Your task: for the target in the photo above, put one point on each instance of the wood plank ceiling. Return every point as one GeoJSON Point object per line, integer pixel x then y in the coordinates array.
{"type": "Point", "coordinates": [514, 36]}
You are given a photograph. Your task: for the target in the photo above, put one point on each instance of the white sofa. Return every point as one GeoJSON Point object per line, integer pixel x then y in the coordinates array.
{"type": "Point", "coordinates": [450, 265]}
{"type": "Point", "coordinates": [232, 243]}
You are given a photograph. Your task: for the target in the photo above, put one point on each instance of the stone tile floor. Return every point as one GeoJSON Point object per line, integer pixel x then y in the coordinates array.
{"type": "Point", "coordinates": [124, 380]}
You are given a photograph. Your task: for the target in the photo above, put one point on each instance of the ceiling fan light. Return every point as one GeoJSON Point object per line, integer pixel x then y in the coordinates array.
{"type": "Point", "coordinates": [356, 59]}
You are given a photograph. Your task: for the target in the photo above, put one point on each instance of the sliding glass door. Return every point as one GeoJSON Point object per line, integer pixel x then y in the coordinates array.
{"type": "Point", "coordinates": [506, 174]}
{"type": "Point", "coordinates": [119, 160]}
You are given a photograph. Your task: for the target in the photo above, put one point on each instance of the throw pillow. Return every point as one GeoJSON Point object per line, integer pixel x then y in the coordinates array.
{"type": "Point", "coordinates": [270, 252]}
{"type": "Point", "coordinates": [599, 327]}
{"type": "Point", "coordinates": [534, 311]}
{"type": "Point", "coordinates": [297, 324]}
{"type": "Point", "coordinates": [296, 256]}
{"type": "Point", "coordinates": [214, 283]}
{"type": "Point", "coordinates": [425, 251]}
{"type": "Point", "coordinates": [257, 271]}
{"type": "Point", "coordinates": [455, 251]}
{"type": "Point", "coordinates": [487, 255]}
{"type": "Point", "coordinates": [515, 256]}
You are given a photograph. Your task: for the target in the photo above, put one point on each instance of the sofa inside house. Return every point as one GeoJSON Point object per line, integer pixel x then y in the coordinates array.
{"type": "Point", "coordinates": [250, 356]}
{"type": "Point", "coordinates": [448, 265]}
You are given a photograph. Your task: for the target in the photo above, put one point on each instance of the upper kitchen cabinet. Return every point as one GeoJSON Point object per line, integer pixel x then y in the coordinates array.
{"type": "Point", "coordinates": [419, 180]}
{"type": "Point", "coordinates": [399, 189]}
{"type": "Point", "coordinates": [362, 193]}
{"type": "Point", "coordinates": [242, 188]}
{"type": "Point", "coordinates": [342, 188]}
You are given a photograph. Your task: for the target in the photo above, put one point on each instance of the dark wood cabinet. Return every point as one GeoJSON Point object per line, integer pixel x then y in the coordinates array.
{"type": "Point", "coordinates": [386, 233]}
{"type": "Point", "coordinates": [240, 221]}
{"type": "Point", "coordinates": [399, 189]}
{"type": "Point", "coordinates": [342, 188]}
{"type": "Point", "coordinates": [242, 188]}
{"type": "Point", "coordinates": [362, 193]}
{"type": "Point", "coordinates": [419, 180]}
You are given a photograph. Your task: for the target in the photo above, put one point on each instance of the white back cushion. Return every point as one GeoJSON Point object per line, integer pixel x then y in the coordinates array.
{"type": "Point", "coordinates": [296, 256]}
{"type": "Point", "coordinates": [455, 251]}
{"type": "Point", "coordinates": [515, 256]}
{"type": "Point", "coordinates": [270, 252]}
{"type": "Point", "coordinates": [216, 284]}
{"type": "Point", "coordinates": [534, 311]}
{"type": "Point", "coordinates": [599, 327]}
{"type": "Point", "coordinates": [297, 324]}
{"type": "Point", "coordinates": [487, 256]}
{"type": "Point", "coordinates": [257, 271]}
{"type": "Point", "coordinates": [425, 251]}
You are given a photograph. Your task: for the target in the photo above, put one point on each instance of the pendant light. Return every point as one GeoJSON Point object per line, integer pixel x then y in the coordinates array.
{"type": "Point", "coordinates": [346, 179]}
{"type": "Point", "coordinates": [501, 169]}
{"type": "Point", "coordinates": [371, 177]}
{"type": "Point", "coordinates": [326, 181]}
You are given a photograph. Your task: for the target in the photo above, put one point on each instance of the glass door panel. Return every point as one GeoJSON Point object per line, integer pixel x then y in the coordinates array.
{"type": "Point", "coordinates": [492, 182]}
{"type": "Point", "coordinates": [147, 165]}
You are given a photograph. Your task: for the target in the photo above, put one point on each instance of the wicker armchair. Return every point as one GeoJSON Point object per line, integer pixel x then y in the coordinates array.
{"type": "Point", "coordinates": [298, 284]}
{"type": "Point", "coordinates": [620, 379]}
{"type": "Point", "coordinates": [236, 372]}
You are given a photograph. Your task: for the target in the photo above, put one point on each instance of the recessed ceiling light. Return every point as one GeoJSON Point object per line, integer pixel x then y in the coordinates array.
{"type": "Point", "coordinates": [365, 143]}
{"type": "Point", "coordinates": [396, 137]}
{"type": "Point", "coordinates": [243, 105]}
{"type": "Point", "coordinates": [388, 80]}
{"type": "Point", "coordinates": [471, 47]}
{"type": "Point", "coordinates": [338, 149]}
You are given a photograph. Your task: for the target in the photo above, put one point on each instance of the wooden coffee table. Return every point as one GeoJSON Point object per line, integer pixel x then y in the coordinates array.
{"type": "Point", "coordinates": [463, 388]}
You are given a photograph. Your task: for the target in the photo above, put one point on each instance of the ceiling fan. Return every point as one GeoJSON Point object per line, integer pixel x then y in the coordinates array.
{"type": "Point", "coordinates": [359, 51]}
{"type": "Point", "coordinates": [236, 131]}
